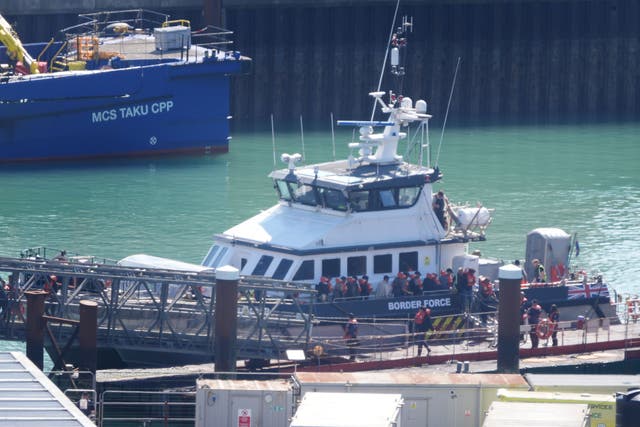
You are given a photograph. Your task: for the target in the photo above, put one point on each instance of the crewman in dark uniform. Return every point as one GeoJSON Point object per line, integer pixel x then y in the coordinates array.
{"type": "Point", "coordinates": [351, 335]}
{"type": "Point", "coordinates": [533, 315]}
{"type": "Point", "coordinates": [422, 324]}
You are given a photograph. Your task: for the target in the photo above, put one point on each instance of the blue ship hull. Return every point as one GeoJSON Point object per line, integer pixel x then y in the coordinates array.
{"type": "Point", "coordinates": [134, 107]}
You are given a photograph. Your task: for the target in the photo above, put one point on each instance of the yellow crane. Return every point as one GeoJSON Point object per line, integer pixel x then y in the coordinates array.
{"type": "Point", "coordinates": [16, 51]}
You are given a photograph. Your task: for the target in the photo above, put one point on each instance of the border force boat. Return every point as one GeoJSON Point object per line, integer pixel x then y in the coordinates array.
{"type": "Point", "coordinates": [378, 240]}
{"type": "Point", "coordinates": [121, 83]}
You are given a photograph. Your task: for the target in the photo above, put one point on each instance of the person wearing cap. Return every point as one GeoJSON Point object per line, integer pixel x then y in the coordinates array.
{"type": "Point", "coordinates": [422, 324]}
{"type": "Point", "coordinates": [351, 335]}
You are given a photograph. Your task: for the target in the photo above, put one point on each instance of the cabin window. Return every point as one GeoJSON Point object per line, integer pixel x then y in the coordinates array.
{"type": "Point", "coordinates": [357, 265]}
{"type": "Point", "coordinates": [220, 257]}
{"type": "Point", "coordinates": [209, 258]}
{"type": "Point", "coordinates": [387, 199]}
{"type": "Point", "coordinates": [407, 196]}
{"type": "Point", "coordinates": [243, 263]}
{"type": "Point", "coordinates": [305, 194]}
{"type": "Point", "coordinates": [305, 272]}
{"type": "Point", "coordinates": [331, 267]}
{"type": "Point", "coordinates": [214, 256]}
{"type": "Point", "coordinates": [263, 265]}
{"type": "Point", "coordinates": [382, 264]}
{"type": "Point", "coordinates": [282, 269]}
{"type": "Point", "coordinates": [333, 199]}
{"type": "Point", "coordinates": [408, 261]}
{"type": "Point", "coordinates": [283, 190]}
{"type": "Point", "coordinates": [359, 200]}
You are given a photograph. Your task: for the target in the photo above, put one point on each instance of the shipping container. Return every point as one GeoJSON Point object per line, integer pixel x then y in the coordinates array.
{"type": "Point", "coordinates": [602, 407]}
{"type": "Point", "coordinates": [243, 403]}
{"type": "Point", "coordinates": [430, 399]}
{"type": "Point", "coordinates": [348, 410]}
{"type": "Point", "coordinates": [507, 414]}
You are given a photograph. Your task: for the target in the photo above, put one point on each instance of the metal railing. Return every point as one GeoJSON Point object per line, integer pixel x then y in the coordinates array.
{"type": "Point", "coordinates": [146, 408]}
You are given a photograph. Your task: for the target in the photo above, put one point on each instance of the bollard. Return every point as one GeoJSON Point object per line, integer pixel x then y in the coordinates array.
{"type": "Point", "coordinates": [226, 314]}
{"type": "Point", "coordinates": [87, 335]}
{"type": "Point", "coordinates": [509, 319]}
{"type": "Point", "coordinates": [35, 327]}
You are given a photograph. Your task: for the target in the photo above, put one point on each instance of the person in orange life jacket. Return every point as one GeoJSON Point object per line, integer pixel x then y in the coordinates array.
{"type": "Point", "coordinates": [323, 288]}
{"type": "Point", "coordinates": [533, 315]}
{"type": "Point", "coordinates": [554, 318]}
{"type": "Point", "coordinates": [422, 324]}
{"type": "Point", "coordinates": [431, 282]}
{"type": "Point", "coordinates": [365, 286]}
{"type": "Point", "coordinates": [415, 284]}
{"type": "Point", "coordinates": [466, 288]}
{"type": "Point", "coordinates": [353, 290]}
{"type": "Point", "coordinates": [351, 335]}
{"type": "Point", "coordinates": [539, 275]}
{"type": "Point", "coordinates": [488, 300]}
{"type": "Point", "coordinates": [447, 278]}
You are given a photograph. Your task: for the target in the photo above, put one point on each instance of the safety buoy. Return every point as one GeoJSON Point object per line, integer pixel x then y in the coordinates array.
{"type": "Point", "coordinates": [544, 329]}
{"type": "Point", "coordinates": [633, 309]}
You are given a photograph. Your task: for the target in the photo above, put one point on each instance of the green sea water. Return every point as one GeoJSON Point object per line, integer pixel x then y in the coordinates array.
{"type": "Point", "coordinates": [584, 179]}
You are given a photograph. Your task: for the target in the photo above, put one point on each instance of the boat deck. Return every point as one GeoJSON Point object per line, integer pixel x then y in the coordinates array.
{"type": "Point", "coordinates": [143, 46]}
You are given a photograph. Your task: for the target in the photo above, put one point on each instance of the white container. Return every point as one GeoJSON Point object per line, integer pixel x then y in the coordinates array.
{"type": "Point", "coordinates": [348, 410]}
{"type": "Point", "coordinates": [233, 403]}
{"type": "Point", "coordinates": [583, 383]}
{"type": "Point", "coordinates": [430, 399]}
{"type": "Point", "coordinates": [602, 407]}
{"type": "Point", "coordinates": [520, 414]}
{"type": "Point", "coordinates": [175, 37]}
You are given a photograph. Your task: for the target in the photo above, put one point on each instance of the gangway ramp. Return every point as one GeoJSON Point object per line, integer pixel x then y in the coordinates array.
{"type": "Point", "coordinates": [153, 316]}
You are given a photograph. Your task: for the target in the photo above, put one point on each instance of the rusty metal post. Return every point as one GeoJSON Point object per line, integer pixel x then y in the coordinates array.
{"type": "Point", "coordinates": [35, 327]}
{"type": "Point", "coordinates": [509, 319]}
{"type": "Point", "coordinates": [226, 313]}
{"type": "Point", "coordinates": [87, 335]}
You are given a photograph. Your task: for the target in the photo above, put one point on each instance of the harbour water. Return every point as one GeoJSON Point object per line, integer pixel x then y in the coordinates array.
{"type": "Point", "coordinates": [581, 178]}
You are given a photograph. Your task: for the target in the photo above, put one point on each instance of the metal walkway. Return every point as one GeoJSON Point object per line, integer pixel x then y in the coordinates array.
{"type": "Point", "coordinates": [151, 316]}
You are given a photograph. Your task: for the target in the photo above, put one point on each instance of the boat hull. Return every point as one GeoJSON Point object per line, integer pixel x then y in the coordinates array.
{"type": "Point", "coordinates": [137, 111]}
{"type": "Point", "coordinates": [444, 303]}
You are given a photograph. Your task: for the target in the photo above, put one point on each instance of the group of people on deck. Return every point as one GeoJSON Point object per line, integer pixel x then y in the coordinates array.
{"type": "Point", "coordinates": [405, 283]}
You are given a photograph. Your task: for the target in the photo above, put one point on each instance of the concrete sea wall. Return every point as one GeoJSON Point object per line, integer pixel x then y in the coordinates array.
{"type": "Point", "coordinates": [521, 61]}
